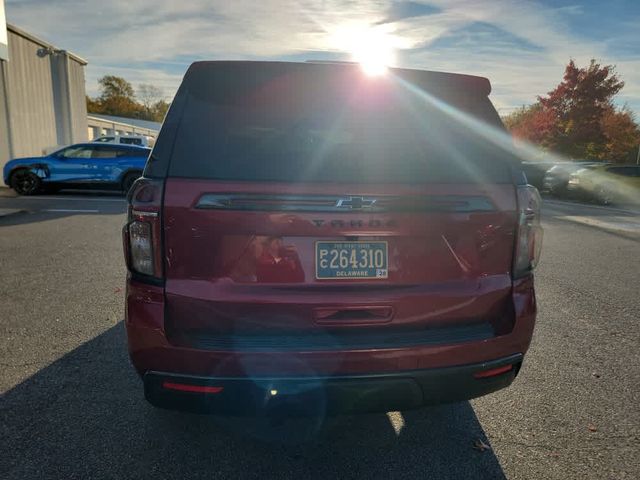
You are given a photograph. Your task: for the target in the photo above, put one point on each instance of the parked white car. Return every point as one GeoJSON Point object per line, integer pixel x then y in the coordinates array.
{"type": "Point", "coordinates": [139, 140]}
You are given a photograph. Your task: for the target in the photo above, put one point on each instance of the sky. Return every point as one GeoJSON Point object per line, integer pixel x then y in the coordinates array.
{"type": "Point", "coordinates": [521, 46]}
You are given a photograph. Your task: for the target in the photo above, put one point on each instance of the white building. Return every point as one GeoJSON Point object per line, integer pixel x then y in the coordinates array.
{"type": "Point", "coordinates": [100, 124]}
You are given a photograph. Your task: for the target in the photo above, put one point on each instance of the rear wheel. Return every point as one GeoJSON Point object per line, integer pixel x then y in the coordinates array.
{"type": "Point", "coordinates": [128, 180]}
{"type": "Point", "coordinates": [25, 182]}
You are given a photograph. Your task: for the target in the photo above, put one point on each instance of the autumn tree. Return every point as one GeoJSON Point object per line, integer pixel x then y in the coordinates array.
{"type": "Point", "coordinates": [533, 123]}
{"type": "Point", "coordinates": [578, 118]}
{"type": "Point", "coordinates": [622, 135]}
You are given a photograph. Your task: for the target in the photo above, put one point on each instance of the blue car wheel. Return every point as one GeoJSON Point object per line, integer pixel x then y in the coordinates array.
{"type": "Point", "coordinates": [25, 182]}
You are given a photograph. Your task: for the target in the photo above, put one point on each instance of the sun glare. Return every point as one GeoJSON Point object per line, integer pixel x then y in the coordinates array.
{"type": "Point", "coordinates": [372, 48]}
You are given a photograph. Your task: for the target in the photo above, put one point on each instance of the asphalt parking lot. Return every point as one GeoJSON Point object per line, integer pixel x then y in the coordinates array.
{"type": "Point", "coordinates": [72, 406]}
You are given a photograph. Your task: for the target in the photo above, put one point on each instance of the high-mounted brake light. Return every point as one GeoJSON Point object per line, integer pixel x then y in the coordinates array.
{"type": "Point", "coordinates": [529, 237]}
{"type": "Point", "coordinates": [142, 233]}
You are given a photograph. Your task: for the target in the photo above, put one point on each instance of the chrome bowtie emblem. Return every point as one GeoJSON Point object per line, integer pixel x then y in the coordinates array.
{"type": "Point", "coordinates": [356, 203]}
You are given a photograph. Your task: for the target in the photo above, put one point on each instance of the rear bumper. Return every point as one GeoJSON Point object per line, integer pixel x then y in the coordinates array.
{"type": "Point", "coordinates": [334, 394]}
{"type": "Point", "coordinates": [400, 377]}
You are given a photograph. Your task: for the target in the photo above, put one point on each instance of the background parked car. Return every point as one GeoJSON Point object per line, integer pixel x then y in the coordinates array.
{"type": "Point", "coordinates": [139, 140]}
{"type": "Point", "coordinates": [607, 183]}
{"type": "Point", "coordinates": [556, 178]}
{"type": "Point", "coordinates": [535, 172]}
{"type": "Point", "coordinates": [84, 165]}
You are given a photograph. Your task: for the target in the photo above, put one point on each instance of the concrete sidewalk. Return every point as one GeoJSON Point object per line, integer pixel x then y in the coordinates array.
{"type": "Point", "coordinates": [7, 192]}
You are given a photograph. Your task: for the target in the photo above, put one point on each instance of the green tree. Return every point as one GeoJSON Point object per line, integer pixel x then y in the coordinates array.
{"type": "Point", "coordinates": [115, 87]}
{"type": "Point", "coordinates": [117, 97]}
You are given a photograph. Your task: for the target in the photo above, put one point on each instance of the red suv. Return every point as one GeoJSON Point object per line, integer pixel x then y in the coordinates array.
{"type": "Point", "coordinates": [308, 237]}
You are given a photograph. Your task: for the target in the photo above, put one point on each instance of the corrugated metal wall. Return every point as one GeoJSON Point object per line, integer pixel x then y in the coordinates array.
{"type": "Point", "coordinates": [42, 103]}
{"type": "Point", "coordinates": [4, 118]}
{"type": "Point", "coordinates": [78, 101]}
{"type": "Point", "coordinates": [31, 108]}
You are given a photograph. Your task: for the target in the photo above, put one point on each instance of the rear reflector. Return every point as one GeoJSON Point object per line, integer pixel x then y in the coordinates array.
{"type": "Point", "coordinates": [493, 372]}
{"type": "Point", "coordinates": [183, 387]}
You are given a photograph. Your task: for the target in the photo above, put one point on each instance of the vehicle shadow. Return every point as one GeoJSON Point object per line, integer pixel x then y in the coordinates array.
{"type": "Point", "coordinates": [84, 417]}
{"type": "Point", "coordinates": [87, 193]}
{"type": "Point", "coordinates": [6, 192]}
{"type": "Point", "coordinates": [43, 207]}
{"type": "Point", "coordinates": [27, 217]}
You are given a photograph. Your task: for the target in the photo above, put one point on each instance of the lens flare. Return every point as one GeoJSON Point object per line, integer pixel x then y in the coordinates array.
{"type": "Point", "coordinates": [597, 183]}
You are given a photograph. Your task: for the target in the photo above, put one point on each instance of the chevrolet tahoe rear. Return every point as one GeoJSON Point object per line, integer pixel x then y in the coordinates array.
{"type": "Point", "coordinates": [307, 237]}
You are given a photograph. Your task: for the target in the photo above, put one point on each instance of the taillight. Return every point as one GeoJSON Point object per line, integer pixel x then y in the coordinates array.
{"type": "Point", "coordinates": [529, 239]}
{"type": "Point", "coordinates": [142, 233]}
{"type": "Point", "coordinates": [141, 247]}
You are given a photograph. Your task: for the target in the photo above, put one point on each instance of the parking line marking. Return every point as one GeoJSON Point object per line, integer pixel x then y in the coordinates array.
{"type": "Point", "coordinates": [69, 210]}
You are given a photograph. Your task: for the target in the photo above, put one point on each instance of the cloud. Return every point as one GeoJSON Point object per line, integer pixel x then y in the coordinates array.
{"type": "Point", "coordinates": [521, 46]}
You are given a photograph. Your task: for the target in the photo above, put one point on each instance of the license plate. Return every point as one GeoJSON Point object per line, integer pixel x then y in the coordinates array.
{"type": "Point", "coordinates": [351, 260]}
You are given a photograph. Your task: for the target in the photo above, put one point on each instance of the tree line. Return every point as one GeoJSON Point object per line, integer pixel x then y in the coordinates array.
{"type": "Point", "coordinates": [578, 118]}
{"type": "Point", "coordinates": [118, 97]}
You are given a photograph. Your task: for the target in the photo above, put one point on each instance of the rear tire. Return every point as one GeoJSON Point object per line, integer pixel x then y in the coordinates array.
{"type": "Point", "coordinates": [129, 180]}
{"type": "Point", "coordinates": [25, 182]}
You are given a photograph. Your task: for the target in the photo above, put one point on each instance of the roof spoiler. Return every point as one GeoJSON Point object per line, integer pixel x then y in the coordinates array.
{"type": "Point", "coordinates": [424, 78]}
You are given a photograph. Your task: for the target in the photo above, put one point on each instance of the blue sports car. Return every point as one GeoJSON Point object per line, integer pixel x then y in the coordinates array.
{"type": "Point", "coordinates": [84, 165]}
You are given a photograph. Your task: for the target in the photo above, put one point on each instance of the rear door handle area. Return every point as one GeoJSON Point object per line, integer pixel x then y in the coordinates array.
{"type": "Point", "coordinates": [361, 315]}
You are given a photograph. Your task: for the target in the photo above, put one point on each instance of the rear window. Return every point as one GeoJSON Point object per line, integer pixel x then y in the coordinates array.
{"type": "Point", "coordinates": [135, 152]}
{"type": "Point", "coordinates": [131, 141]}
{"type": "Point", "coordinates": [303, 122]}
